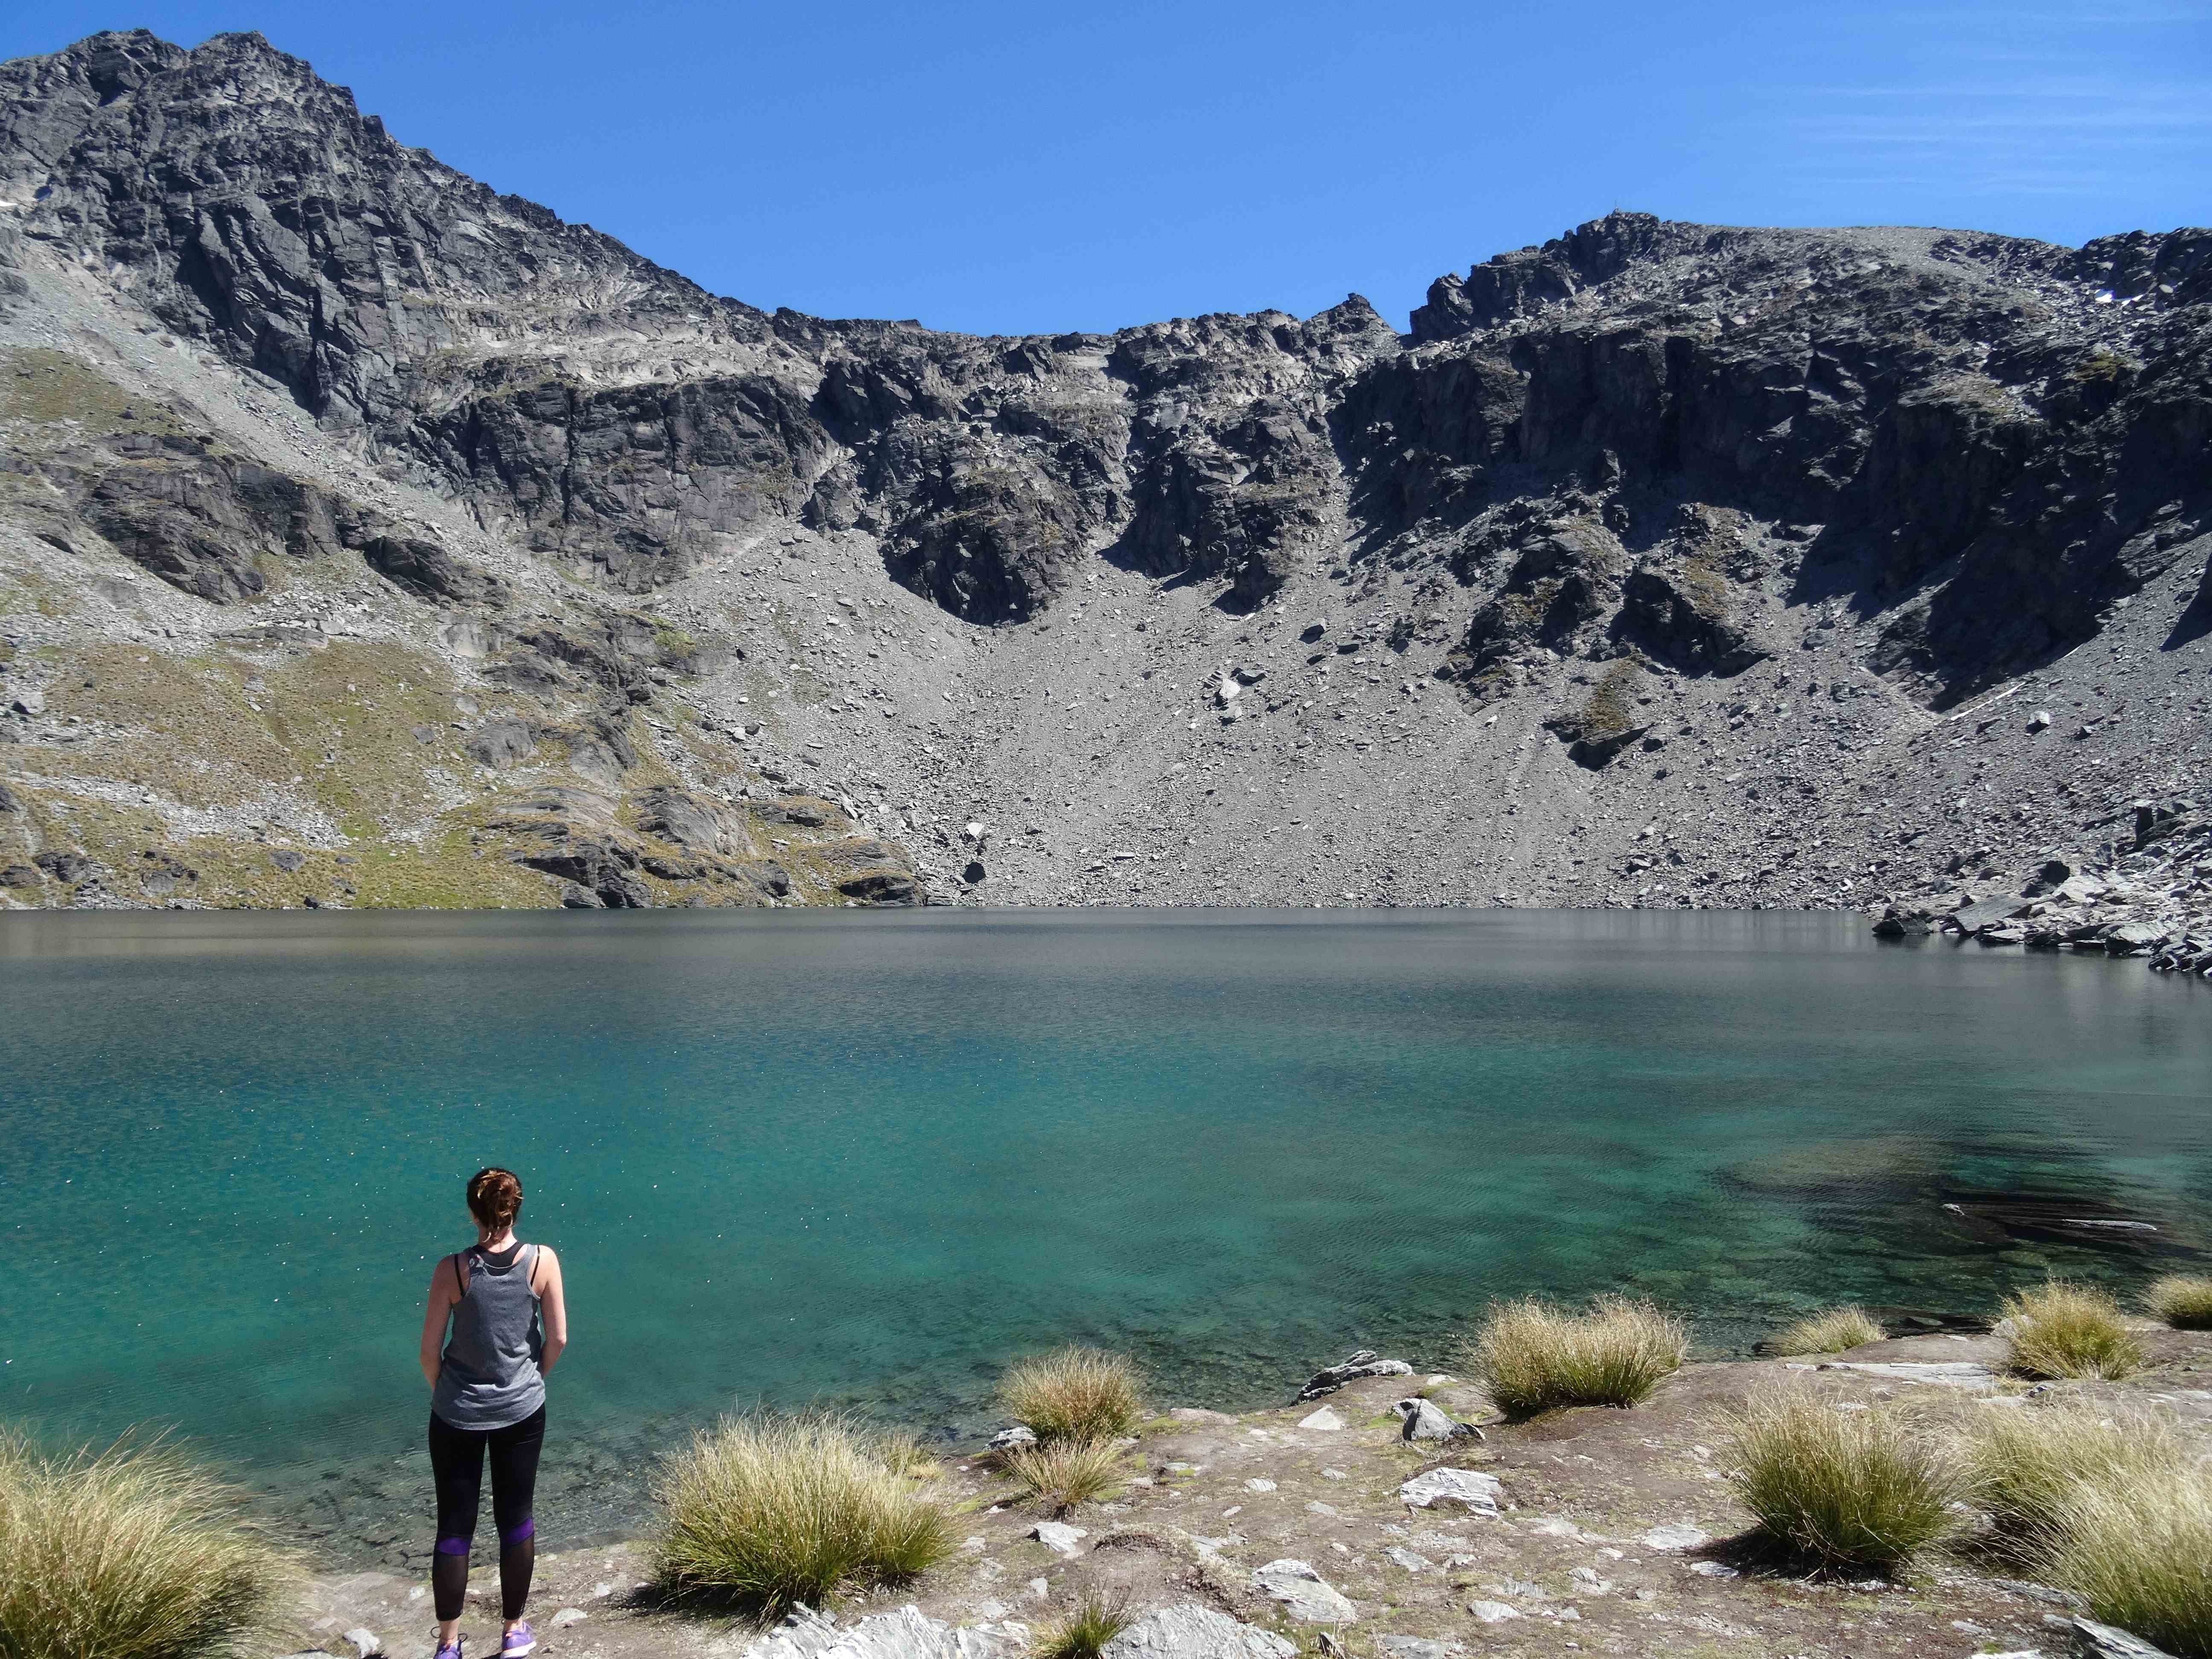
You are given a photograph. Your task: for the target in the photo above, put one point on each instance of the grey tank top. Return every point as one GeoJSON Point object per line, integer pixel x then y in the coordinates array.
{"type": "Point", "coordinates": [489, 1377]}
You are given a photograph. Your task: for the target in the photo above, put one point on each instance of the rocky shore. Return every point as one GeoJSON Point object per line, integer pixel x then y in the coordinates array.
{"type": "Point", "coordinates": [2149, 895]}
{"type": "Point", "coordinates": [1361, 1518]}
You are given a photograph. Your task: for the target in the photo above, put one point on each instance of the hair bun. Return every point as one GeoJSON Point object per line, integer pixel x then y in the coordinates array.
{"type": "Point", "coordinates": [495, 1196]}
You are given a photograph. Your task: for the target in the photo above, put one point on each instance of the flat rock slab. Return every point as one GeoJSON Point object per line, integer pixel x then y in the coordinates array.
{"type": "Point", "coordinates": [2094, 1641]}
{"type": "Point", "coordinates": [1943, 1373]}
{"type": "Point", "coordinates": [1192, 1632]}
{"type": "Point", "coordinates": [1325, 1418]}
{"type": "Point", "coordinates": [1676, 1536]}
{"type": "Point", "coordinates": [907, 1634]}
{"type": "Point", "coordinates": [1477, 1491]}
{"type": "Point", "coordinates": [1303, 1593]}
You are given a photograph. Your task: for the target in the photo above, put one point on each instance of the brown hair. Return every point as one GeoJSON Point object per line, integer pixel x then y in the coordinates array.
{"type": "Point", "coordinates": [495, 1196]}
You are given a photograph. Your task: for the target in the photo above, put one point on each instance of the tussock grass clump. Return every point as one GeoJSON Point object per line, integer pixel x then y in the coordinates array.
{"type": "Point", "coordinates": [1074, 1394]}
{"type": "Point", "coordinates": [1533, 1356]}
{"type": "Point", "coordinates": [2027, 1463]}
{"type": "Point", "coordinates": [772, 1511]}
{"type": "Point", "coordinates": [1865, 1490]}
{"type": "Point", "coordinates": [2063, 1329]}
{"type": "Point", "coordinates": [137, 1553]}
{"type": "Point", "coordinates": [1829, 1331]}
{"type": "Point", "coordinates": [1062, 1473]}
{"type": "Point", "coordinates": [2181, 1300]}
{"type": "Point", "coordinates": [1097, 1620]}
{"type": "Point", "coordinates": [2141, 1555]}
{"type": "Point", "coordinates": [903, 1453]}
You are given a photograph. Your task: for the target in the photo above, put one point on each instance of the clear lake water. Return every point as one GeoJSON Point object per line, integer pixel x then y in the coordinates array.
{"type": "Point", "coordinates": [862, 1159]}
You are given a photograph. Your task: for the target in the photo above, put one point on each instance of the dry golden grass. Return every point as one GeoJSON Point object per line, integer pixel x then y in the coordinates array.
{"type": "Point", "coordinates": [135, 1554]}
{"type": "Point", "coordinates": [1074, 1394]}
{"type": "Point", "coordinates": [903, 1454]}
{"type": "Point", "coordinates": [1864, 1489]}
{"type": "Point", "coordinates": [1533, 1356]}
{"type": "Point", "coordinates": [772, 1511]}
{"type": "Point", "coordinates": [1061, 1474]}
{"type": "Point", "coordinates": [2181, 1300]}
{"type": "Point", "coordinates": [2063, 1329]}
{"type": "Point", "coordinates": [1829, 1331]}
{"type": "Point", "coordinates": [2028, 1462]}
{"type": "Point", "coordinates": [2140, 1553]}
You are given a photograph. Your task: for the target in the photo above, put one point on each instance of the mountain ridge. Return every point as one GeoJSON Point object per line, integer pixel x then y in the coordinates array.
{"type": "Point", "coordinates": [1606, 506]}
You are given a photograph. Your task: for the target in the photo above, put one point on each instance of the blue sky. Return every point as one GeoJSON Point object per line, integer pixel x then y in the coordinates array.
{"type": "Point", "coordinates": [1003, 169]}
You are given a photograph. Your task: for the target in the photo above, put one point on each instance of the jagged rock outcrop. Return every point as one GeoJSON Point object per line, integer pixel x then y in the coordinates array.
{"type": "Point", "coordinates": [1643, 494]}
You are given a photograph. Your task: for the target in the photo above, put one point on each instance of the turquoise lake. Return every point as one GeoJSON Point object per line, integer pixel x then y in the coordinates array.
{"type": "Point", "coordinates": [865, 1157]}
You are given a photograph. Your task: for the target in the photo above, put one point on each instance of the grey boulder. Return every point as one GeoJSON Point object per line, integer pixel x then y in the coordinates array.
{"type": "Point", "coordinates": [1424, 1420]}
{"type": "Point", "coordinates": [1303, 1593]}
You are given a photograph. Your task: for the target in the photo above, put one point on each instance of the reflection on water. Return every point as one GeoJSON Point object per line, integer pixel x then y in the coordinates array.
{"type": "Point", "coordinates": [865, 1157]}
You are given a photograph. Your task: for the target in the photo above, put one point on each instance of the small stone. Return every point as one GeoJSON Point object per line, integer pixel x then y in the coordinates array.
{"type": "Point", "coordinates": [1492, 1612]}
{"type": "Point", "coordinates": [1058, 1536]}
{"type": "Point", "coordinates": [364, 1642]}
{"type": "Point", "coordinates": [1325, 1418]}
{"type": "Point", "coordinates": [1411, 1560]}
{"type": "Point", "coordinates": [1712, 1570]}
{"type": "Point", "coordinates": [1020, 1434]}
{"type": "Point", "coordinates": [1259, 1483]}
{"type": "Point", "coordinates": [1477, 1491]}
{"type": "Point", "coordinates": [2039, 720]}
{"type": "Point", "coordinates": [1675, 1536]}
{"type": "Point", "coordinates": [1418, 1647]}
{"type": "Point", "coordinates": [568, 1616]}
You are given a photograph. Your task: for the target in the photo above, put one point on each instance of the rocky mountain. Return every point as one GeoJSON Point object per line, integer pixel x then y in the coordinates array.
{"type": "Point", "coordinates": [366, 537]}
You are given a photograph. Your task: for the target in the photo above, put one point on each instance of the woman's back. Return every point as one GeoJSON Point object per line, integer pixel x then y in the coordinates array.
{"type": "Point", "coordinates": [489, 1375]}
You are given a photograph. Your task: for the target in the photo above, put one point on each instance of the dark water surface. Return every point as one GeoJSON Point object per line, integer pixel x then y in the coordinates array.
{"type": "Point", "coordinates": [865, 1157]}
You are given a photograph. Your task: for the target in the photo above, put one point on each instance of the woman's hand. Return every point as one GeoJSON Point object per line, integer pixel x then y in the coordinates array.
{"type": "Point", "coordinates": [553, 1305]}
{"type": "Point", "coordinates": [444, 1290]}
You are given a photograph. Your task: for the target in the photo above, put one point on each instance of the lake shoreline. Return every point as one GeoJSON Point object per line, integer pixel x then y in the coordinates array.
{"type": "Point", "coordinates": [1608, 1525]}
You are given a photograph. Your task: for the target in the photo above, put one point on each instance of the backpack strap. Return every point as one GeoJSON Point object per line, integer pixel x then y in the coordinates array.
{"type": "Point", "coordinates": [460, 1284]}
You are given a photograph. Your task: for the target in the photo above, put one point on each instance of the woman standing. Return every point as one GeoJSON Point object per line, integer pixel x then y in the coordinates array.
{"type": "Point", "coordinates": [488, 1394]}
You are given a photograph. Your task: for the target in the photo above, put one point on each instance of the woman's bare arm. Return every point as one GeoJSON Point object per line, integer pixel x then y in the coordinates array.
{"type": "Point", "coordinates": [444, 1290]}
{"type": "Point", "coordinates": [554, 1305]}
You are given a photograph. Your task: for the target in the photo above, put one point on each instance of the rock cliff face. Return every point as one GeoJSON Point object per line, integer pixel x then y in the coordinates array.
{"type": "Point", "coordinates": [1662, 563]}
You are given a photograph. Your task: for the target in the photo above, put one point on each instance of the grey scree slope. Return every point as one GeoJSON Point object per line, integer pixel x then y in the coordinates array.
{"type": "Point", "coordinates": [366, 537]}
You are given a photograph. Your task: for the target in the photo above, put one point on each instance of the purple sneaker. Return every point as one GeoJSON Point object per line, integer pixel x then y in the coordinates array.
{"type": "Point", "coordinates": [449, 1650]}
{"type": "Point", "coordinates": [518, 1641]}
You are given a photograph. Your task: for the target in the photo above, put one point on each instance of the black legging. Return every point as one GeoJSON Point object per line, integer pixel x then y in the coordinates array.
{"type": "Point", "coordinates": [456, 1460]}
